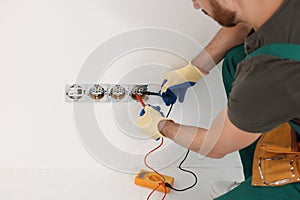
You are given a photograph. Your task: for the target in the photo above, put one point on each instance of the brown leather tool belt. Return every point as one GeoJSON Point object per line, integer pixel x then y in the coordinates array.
{"type": "Point", "coordinates": [276, 158]}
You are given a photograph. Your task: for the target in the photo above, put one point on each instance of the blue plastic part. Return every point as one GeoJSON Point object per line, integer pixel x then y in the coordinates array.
{"type": "Point", "coordinates": [142, 112]}
{"type": "Point", "coordinates": [176, 91]}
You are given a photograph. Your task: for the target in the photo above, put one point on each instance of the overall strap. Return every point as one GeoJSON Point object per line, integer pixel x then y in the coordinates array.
{"type": "Point", "coordinates": [296, 127]}
{"type": "Point", "coordinates": [281, 50]}
{"type": "Point", "coordinates": [285, 51]}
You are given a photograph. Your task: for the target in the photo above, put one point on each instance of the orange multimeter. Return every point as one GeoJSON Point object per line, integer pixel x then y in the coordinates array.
{"type": "Point", "coordinates": [151, 180]}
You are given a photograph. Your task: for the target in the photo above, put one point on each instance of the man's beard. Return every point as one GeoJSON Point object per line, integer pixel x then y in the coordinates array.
{"type": "Point", "coordinates": [224, 17]}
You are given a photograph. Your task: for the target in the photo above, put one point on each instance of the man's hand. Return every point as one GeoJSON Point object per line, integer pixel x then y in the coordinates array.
{"type": "Point", "coordinates": [177, 81]}
{"type": "Point", "coordinates": [148, 121]}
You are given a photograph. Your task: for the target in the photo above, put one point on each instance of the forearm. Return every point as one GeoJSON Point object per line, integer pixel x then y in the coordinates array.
{"type": "Point", "coordinates": [224, 40]}
{"type": "Point", "coordinates": [189, 137]}
{"type": "Point", "coordinates": [222, 137]}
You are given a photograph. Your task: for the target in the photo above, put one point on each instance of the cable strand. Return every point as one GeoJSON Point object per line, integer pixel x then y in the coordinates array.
{"type": "Point", "coordinates": [165, 184]}
{"type": "Point", "coordinates": [146, 164]}
{"type": "Point", "coordinates": [185, 170]}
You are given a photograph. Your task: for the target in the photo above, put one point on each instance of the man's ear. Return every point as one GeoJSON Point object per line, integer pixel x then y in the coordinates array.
{"type": "Point", "coordinates": [196, 4]}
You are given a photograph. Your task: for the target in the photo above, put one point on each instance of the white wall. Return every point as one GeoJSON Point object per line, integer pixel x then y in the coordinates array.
{"type": "Point", "coordinates": [43, 44]}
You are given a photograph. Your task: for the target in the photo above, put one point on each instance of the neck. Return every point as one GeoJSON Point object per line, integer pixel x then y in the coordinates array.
{"type": "Point", "coordinates": [257, 12]}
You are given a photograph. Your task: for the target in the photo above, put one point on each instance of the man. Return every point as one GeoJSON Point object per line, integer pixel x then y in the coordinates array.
{"type": "Point", "coordinates": [263, 91]}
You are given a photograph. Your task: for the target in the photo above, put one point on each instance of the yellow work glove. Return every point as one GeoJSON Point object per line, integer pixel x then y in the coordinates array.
{"type": "Point", "coordinates": [148, 121]}
{"type": "Point", "coordinates": [176, 83]}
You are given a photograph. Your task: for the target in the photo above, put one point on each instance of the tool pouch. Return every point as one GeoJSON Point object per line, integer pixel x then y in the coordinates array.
{"type": "Point", "coordinates": [276, 158]}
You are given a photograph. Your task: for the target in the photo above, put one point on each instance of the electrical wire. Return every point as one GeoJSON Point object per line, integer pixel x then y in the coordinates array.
{"type": "Point", "coordinates": [139, 98]}
{"type": "Point", "coordinates": [146, 156]}
{"type": "Point", "coordinates": [152, 93]}
{"type": "Point", "coordinates": [188, 171]}
{"type": "Point", "coordinates": [185, 170]}
{"type": "Point", "coordinates": [163, 183]}
{"type": "Point", "coordinates": [169, 110]}
{"type": "Point", "coordinates": [154, 191]}
{"type": "Point", "coordinates": [163, 178]}
{"type": "Point", "coordinates": [166, 184]}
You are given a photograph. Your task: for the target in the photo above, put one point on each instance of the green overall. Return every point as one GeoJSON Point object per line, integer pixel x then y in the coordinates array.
{"type": "Point", "coordinates": [245, 191]}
